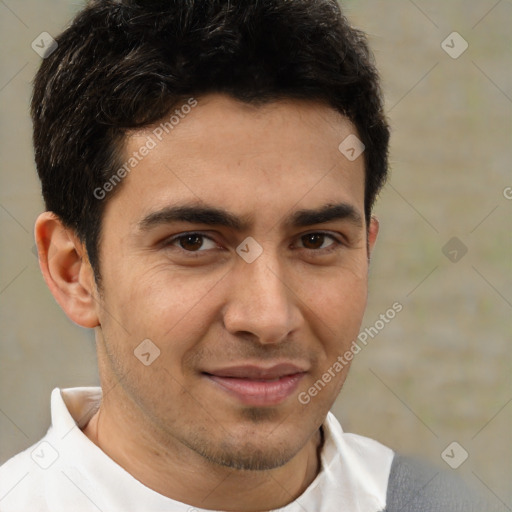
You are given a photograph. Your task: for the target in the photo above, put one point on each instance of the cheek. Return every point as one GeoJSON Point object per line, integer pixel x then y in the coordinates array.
{"type": "Point", "coordinates": [165, 305]}
{"type": "Point", "coordinates": [173, 312]}
{"type": "Point", "coordinates": [334, 311]}
{"type": "Point", "coordinates": [337, 296]}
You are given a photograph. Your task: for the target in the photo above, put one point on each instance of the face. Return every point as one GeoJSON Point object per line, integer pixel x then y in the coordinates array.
{"type": "Point", "coordinates": [238, 246]}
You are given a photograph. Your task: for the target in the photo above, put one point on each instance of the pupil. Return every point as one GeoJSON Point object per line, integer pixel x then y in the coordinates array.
{"type": "Point", "coordinates": [311, 239]}
{"type": "Point", "coordinates": [191, 242]}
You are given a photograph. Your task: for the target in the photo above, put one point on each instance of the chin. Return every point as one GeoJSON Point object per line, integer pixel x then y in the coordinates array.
{"type": "Point", "coordinates": [254, 450]}
{"type": "Point", "coordinates": [252, 458]}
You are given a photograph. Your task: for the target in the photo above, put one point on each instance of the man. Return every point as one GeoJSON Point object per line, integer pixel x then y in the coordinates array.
{"type": "Point", "coordinates": [209, 170]}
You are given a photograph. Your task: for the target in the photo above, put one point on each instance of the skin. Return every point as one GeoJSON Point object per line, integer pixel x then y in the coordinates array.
{"type": "Point", "coordinates": [166, 423]}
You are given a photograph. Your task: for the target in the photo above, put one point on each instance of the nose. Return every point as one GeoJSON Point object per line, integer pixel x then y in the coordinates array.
{"type": "Point", "coordinates": [261, 303]}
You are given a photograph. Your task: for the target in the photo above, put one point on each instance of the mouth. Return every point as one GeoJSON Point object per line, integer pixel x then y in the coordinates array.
{"type": "Point", "coordinates": [257, 386]}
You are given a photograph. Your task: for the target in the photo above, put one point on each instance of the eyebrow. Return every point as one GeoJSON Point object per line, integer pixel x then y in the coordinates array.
{"type": "Point", "coordinates": [213, 216]}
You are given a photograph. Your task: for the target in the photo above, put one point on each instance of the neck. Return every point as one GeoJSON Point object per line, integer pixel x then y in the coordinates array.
{"type": "Point", "coordinates": [174, 470]}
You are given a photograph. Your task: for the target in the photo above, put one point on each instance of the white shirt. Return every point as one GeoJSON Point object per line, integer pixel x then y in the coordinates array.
{"type": "Point", "coordinates": [67, 472]}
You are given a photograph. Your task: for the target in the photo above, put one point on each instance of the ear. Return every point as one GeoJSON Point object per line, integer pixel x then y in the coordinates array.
{"type": "Point", "coordinates": [373, 231]}
{"type": "Point", "coordinates": [66, 270]}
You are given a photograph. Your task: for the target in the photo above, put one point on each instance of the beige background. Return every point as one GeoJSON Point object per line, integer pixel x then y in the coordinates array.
{"type": "Point", "coordinates": [441, 370]}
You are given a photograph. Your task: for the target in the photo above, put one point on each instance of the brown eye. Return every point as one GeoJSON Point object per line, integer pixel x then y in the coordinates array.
{"type": "Point", "coordinates": [313, 240]}
{"type": "Point", "coordinates": [191, 242]}
{"type": "Point", "coordinates": [318, 242]}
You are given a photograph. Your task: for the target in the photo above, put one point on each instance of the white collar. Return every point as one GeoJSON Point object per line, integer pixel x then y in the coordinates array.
{"type": "Point", "coordinates": [354, 472]}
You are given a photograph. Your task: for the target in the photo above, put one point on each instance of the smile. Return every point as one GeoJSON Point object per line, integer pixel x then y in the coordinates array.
{"type": "Point", "coordinates": [257, 386]}
{"type": "Point", "coordinates": [268, 391]}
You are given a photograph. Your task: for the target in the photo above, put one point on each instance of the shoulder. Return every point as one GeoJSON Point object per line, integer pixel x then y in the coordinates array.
{"type": "Point", "coordinates": [22, 483]}
{"type": "Point", "coordinates": [417, 486]}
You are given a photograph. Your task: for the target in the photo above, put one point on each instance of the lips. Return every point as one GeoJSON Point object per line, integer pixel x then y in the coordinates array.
{"type": "Point", "coordinates": [256, 385]}
{"type": "Point", "coordinates": [257, 372]}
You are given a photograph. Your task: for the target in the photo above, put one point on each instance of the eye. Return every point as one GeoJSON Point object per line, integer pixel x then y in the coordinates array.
{"type": "Point", "coordinates": [192, 242]}
{"type": "Point", "coordinates": [317, 241]}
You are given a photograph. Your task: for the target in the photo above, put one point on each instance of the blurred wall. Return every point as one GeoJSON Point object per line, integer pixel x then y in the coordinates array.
{"type": "Point", "coordinates": [440, 370]}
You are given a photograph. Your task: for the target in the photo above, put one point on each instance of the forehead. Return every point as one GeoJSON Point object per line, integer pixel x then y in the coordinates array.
{"type": "Point", "coordinates": [245, 158]}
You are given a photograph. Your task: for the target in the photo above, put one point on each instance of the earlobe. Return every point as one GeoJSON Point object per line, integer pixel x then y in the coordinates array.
{"type": "Point", "coordinates": [66, 270]}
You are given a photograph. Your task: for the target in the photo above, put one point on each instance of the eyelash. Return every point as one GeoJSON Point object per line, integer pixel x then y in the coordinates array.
{"type": "Point", "coordinates": [196, 254]}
